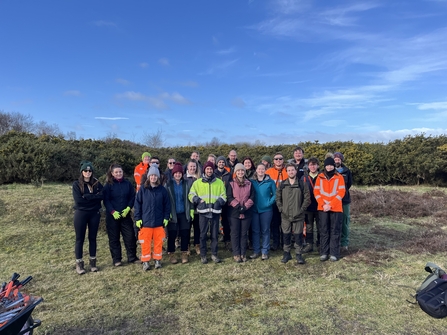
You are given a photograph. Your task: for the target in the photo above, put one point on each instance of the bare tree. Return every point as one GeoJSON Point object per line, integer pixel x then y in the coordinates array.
{"type": "Point", "coordinates": [15, 121]}
{"type": "Point", "coordinates": [154, 140]}
{"type": "Point", "coordinates": [43, 128]}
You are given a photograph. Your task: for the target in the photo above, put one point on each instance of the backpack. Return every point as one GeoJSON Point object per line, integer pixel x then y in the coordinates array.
{"type": "Point", "coordinates": [431, 295]}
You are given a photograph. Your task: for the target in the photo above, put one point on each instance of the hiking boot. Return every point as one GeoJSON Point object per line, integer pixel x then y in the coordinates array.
{"type": "Point", "coordinates": [135, 261]}
{"type": "Point", "coordinates": [157, 264]}
{"type": "Point", "coordinates": [237, 259]}
{"type": "Point", "coordinates": [117, 264]}
{"type": "Point", "coordinates": [299, 259]}
{"type": "Point", "coordinates": [244, 258]}
{"type": "Point", "coordinates": [197, 247]}
{"type": "Point", "coordinates": [172, 258]}
{"type": "Point", "coordinates": [185, 257]}
{"type": "Point", "coordinates": [215, 259]}
{"type": "Point", "coordinates": [146, 266]}
{"type": "Point", "coordinates": [80, 267]}
{"type": "Point", "coordinates": [203, 260]}
{"type": "Point", "coordinates": [324, 258]}
{"type": "Point", "coordinates": [264, 257]}
{"type": "Point", "coordinates": [286, 257]}
{"type": "Point", "coordinates": [93, 267]}
{"type": "Point", "coordinates": [333, 259]}
{"type": "Point", "coordinates": [308, 248]}
{"type": "Point", "coordinates": [254, 256]}
{"type": "Point", "coordinates": [344, 249]}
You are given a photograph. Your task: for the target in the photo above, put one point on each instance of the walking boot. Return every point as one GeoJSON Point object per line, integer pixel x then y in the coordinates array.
{"type": "Point", "coordinates": [93, 267]}
{"type": "Point", "coordinates": [80, 267]}
{"type": "Point", "coordinates": [308, 248]}
{"type": "Point", "coordinates": [157, 264]}
{"type": "Point", "coordinates": [197, 247]}
{"type": "Point", "coordinates": [286, 257]}
{"type": "Point", "coordinates": [146, 266]}
{"type": "Point", "coordinates": [185, 258]}
{"type": "Point", "coordinates": [172, 258]}
{"type": "Point", "coordinates": [299, 259]}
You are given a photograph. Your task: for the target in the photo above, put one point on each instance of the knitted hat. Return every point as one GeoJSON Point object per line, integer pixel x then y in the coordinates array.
{"type": "Point", "coordinates": [267, 159]}
{"type": "Point", "coordinates": [145, 154]}
{"type": "Point", "coordinates": [339, 155]}
{"type": "Point", "coordinates": [177, 168]}
{"type": "Point", "coordinates": [239, 166]}
{"type": "Point", "coordinates": [220, 158]}
{"type": "Point", "coordinates": [329, 161]}
{"type": "Point", "coordinates": [210, 164]}
{"type": "Point", "coordinates": [86, 165]}
{"type": "Point", "coordinates": [154, 170]}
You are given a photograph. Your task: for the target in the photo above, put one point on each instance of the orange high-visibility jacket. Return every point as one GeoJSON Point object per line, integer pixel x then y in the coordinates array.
{"type": "Point", "coordinates": [277, 175]}
{"type": "Point", "coordinates": [330, 191]}
{"type": "Point", "coordinates": [140, 170]}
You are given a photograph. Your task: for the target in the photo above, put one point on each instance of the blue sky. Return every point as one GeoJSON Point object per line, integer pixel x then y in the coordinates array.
{"type": "Point", "coordinates": [272, 71]}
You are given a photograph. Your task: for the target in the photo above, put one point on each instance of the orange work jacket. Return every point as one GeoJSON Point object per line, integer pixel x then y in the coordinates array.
{"type": "Point", "coordinates": [330, 191]}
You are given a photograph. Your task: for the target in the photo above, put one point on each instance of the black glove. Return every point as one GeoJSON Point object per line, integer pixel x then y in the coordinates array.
{"type": "Point", "coordinates": [242, 209]}
{"type": "Point", "coordinates": [201, 206]}
{"type": "Point", "coordinates": [217, 206]}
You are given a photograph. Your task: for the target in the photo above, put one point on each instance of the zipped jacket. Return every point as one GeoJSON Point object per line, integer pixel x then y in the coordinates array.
{"type": "Point", "coordinates": [292, 199]}
{"type": "Point", "coordinates": [152, 205]}
{"type": "Point", "coordinates": [240, 199]}
{"type": "Point", "coordinates": [330, 191]}
{"type": "Point", "coordinates": [265, 194]}
{"type": "Point", "coordinates": [88, 199]}
{"type": "Point", "coordinates": [347, 176]}
{"type": "Point", "coordinates": [118, 195]}
{"type": "Point", "coordinates": [211, 191]}
{"type": "Point", "coordinates": [278, 175]}
{"type": "Point", "coordinates": [313, 207]}
{"type": "Point", "coordinates": [185, 191]}
{"type": "Point", "coordinates": [139, 172]}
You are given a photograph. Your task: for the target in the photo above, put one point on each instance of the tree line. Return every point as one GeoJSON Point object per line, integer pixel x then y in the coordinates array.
{"type": "Point", "coordinates": [31, 158]}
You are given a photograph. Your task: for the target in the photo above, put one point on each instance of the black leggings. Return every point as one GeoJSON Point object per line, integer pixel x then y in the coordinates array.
{"type": "Point", "coordinates": [82, 220]}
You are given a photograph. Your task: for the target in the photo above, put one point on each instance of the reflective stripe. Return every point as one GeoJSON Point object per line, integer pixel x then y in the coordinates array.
{"type": "Point", "coordinates": [343, 186]}
{"type": "Point", "coordinates": [140, 241]}
{"type": "Point", "coordinates": [327, 202]}
{"type": "Point", "coordinates": [334, 190]}
{"type": "Point", "coordinates": [316, 187]}
{"type": "Point", "coordinates": [158, 254]}
{"type": "Point", "coordinates": [146, 256]}
{"type": "Point", "coordinates": [338, 197]}
{"type": "Point", "coordinates": [318, 197]}
{"type": "Point", "coordinates": [217, 211]}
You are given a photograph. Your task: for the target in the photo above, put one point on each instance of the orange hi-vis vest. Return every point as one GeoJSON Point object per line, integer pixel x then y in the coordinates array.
{"type": "Point", "coordinates": [140, 170]}
{"type": "Point", "coordinates": [277, 175]}
{"type": "Point", "coordinates": [330, 191]}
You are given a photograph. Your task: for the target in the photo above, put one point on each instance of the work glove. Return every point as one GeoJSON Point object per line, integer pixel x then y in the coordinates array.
{"type": "Point", "coordinates": [217, 206]}
{"type": "Point", "coordinates": [116, 215]}
{"type": "Point", "coordinates": [201, 206]}
{"type": "Point", "coordinates": [125, 211]}
{"type": "Point", "coordinates": [191, 214]}
{"type": "Point", "coordinates": [165, 222]}
{"type": "Point", "coordinates": [139, 223]}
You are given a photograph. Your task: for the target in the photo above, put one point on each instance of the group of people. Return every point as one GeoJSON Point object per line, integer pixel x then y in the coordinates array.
{"type": "Point", "coordinates": [290, 203]}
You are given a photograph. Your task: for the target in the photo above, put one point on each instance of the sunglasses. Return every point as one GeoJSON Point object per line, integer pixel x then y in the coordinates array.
{"type": "Point", "coordinates": [171, 162]}
{"type": "Point", "coordinates": [278, 159]}
{"type": "Point", "coordinates": [87, 171]}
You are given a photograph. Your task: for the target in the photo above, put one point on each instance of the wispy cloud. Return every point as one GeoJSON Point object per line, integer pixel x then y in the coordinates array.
{"type": "Point", "coordinates": [175, 97]}
{"type": "Point", "coordinates": [122, 81]}
{"type": "Point", "coordinates": [340, 16]}
{"type": "Point", "coordinates": [226, 51]}
{"type": "Point", "coordinates": [164, 61]}
{"type": "Point", "coordinates": [72, 93]}
{"type": "Point", "coordinates": [102, 23]}
{"type": "Point", "coordinates": [110, 118]}
{"type": "Point", "coordinates": [158, 102]}
{"type": "Point", "coordinates": [220, 67]}
{"type": "Point", "coordinates": [432, 105]}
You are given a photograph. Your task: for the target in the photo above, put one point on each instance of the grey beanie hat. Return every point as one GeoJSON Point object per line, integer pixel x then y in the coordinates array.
{"type": "Point", "coordinates": [154, 170]}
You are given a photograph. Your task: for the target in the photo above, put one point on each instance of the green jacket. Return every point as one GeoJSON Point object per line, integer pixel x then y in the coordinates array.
{"type": "Point", "coordinates": [292, 199]}
{"type": "Point", "coordinates": [213, 193]}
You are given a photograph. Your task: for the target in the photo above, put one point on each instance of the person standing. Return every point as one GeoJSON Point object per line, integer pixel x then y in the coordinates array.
{"type": "Point", "coordinates": [240, 195]}
{"type": "Point", "coordinates": [119, 198]}
{"type": "Point", "coordinates": [222, 172]}
{"type": "Point", "coordinates": [169, 167]}
{"type": "Point", "coordinates": [278, 174]}
{"type": "Point", "coordinates": [249, 167]}
{"type": "Point", "coordinates": [141, 169]}
{"type": "Point", "coordinates": [87, 196]}
{"type": "Point", "coordinates": [265, 196]}
{"type": "Point", "coordinates": [152, 209]}
{"type": "Point", "coordinates": [190, 177]}
{"type": "Point", "coordinates": [232, 161]}
{"type": "Point", "coordinates": [292, 199]}
{"type": "Point", "coordinates": [312, 220]}
{"type": "Point", "coordinates": [208, 194]}
{"type": "Point", "coordinates": [347, 176]}
{"type": "Point", "coordinates": [329, 191]}
{"type": "Point", "coordinates": [178, 190]}
{"type": "Point", "coordinates": [299, 161]}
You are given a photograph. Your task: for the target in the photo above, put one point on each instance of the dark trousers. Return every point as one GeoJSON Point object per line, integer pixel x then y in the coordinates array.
{"type": "Point", "coordinates": [124, 227]}
{"type": "Point", "coordinates": [213, 225]}
{"type": "Point", "coordinates": [239, 235]}
{"type": "Point", "coordinates": [330, 233]}
{"type": "Point", "coordinates": [275, 227]}
{"type": "Point", "coordinates": [196, 228]}
{"type": "Point", "coordinates": [82, 220]}
{"type": "Point", "coordinates": [312, 227]}
{"type": "Point", "coordinates": [183, 232]}
{"type": "Point", "coordinates": [226, 224]}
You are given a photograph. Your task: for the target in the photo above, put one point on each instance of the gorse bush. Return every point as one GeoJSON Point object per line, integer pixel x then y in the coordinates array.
{"type": "Point", "coordinates": [28, 158]}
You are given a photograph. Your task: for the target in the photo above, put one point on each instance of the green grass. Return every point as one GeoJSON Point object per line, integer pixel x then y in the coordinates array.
{"type": "Point", "coordinates": [363, 293]}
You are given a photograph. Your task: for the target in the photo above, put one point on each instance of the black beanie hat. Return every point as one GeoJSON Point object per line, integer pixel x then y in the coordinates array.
{"type": "Point", "coordinates": [329, 161]}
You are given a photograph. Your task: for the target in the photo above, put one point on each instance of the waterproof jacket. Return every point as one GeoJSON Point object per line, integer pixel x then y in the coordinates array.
{"type": "Point", "coordinates": [211, 191]}
{"type": "Point", "coordinates": [278, 175]}
{"type": "Point", "coordinates": [118, 195]}
{"type": "Point", "coordinates": [330, 191]}
{"type": "Point", "coordinates": [225, 176]}
{"type": "Point", "coordinates": [240, 199]}
{"type": "Point", "coordinates": [139, 172]}
{"type": "Point", "coordinates": [347, 176]}
{"type": "Point", "coordinates": [230, 166]}
{"type": "Point", "coordinates": [185, 191]}
{"type": "Point", "coordinates": [265, 194]}
{"type": "Point", "coordinates": [88, 199]}
{"type": "Point", "coordinates": [292, 199]}
{"type": "Point", "coordinates": [313, 207]}
{"type": "Point", "coordinates": [152, 205]}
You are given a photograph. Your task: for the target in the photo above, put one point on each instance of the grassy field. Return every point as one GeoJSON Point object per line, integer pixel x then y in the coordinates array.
{"type": "Point", "coordinates": [395, 231]}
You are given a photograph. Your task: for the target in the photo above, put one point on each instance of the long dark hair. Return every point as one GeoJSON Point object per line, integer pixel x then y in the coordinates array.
{"type": "Point", "coordinates": [109, 177]}
{"type": "Point", "coordinates": [91, 183]}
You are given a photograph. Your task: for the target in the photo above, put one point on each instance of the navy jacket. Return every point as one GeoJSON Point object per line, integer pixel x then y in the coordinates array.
{"type": "Point", "coordinates": [152, 205]}
{"type": "Point", "coordinates": [118, 195]}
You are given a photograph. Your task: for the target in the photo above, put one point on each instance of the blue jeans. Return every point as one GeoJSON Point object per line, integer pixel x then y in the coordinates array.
{"type": "Point", "coordinates": [260, 226]}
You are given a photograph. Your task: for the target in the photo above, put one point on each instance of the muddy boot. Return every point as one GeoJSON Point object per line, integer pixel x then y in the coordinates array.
{"type": "Point", "coordinates": [308, 248]}
{"type": "Point", "coordinates": [185, 258]}
{"type": "Point", "coordinates": [80, 267]}
{"type": "Point", "coordinates": [172, 258]}
{"type": "Point", "coordinates": [93, 267]}
{"type": "Point", "coordinates": [299, 259]}
{"type": "Point", "coordinates": [197, 248]}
